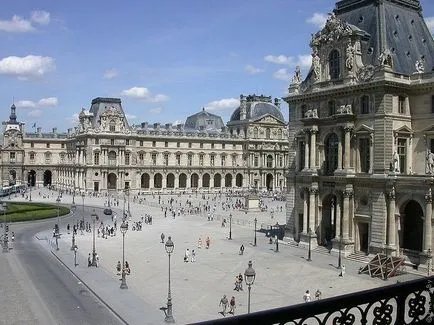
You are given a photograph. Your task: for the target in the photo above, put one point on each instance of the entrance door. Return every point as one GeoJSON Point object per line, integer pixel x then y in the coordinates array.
{"type": "Point", "coordinates": [364, 236]}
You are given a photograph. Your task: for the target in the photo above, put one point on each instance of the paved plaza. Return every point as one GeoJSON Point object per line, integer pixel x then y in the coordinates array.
{"type": "Point", "coordinates": [197, 287]}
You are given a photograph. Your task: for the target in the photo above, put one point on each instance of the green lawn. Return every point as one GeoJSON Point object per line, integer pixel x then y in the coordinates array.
{"type": "Point", "coordinates": [17, 211]}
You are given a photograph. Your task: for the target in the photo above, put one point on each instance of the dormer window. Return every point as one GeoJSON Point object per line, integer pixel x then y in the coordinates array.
{"type": "Point", "coordinates": [112, 126]}
{"type": "Point", "coordinates": [334, 64]}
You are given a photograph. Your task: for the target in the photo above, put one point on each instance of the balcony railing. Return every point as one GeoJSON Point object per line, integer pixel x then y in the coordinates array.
{"type": "Point", "coordinates": [401, 304]}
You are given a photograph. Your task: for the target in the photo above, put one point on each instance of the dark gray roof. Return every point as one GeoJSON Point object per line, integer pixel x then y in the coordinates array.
{"type": "Point", "coordinates": [204, 121]}
{"type": "Point", "coordinates": [403, 31]}
{"type": "Point", "coordinates": [101, 104]}
{"type": "Point", "coordinates": [255, 110]}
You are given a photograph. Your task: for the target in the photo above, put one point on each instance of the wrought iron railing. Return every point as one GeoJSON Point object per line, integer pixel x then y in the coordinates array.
{"type": "Point", "coordinates": [401, 304]}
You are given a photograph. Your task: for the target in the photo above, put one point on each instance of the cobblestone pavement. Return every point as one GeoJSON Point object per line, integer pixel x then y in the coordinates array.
{"type": "Point", "coordinates": [281, 278]}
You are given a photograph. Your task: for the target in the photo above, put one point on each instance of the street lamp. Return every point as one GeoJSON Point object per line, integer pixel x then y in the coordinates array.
{"type": "Point", "coordinates": [256, 220]}
{"type": "Point", "coordinates": [58, 220]}
{"type": "Point", "coordinates": [124, 228]}
{"type": "Point", "coordinates": [73, 195]}
{"type": "Point", "coordinates": [309, 252]}
{"type": "Point", "coordinates": [169, 250]}
{"type": "Point", "coordinates": [73, 207]}
{"type": "Point", "coordinates": [75, 255]}
{"type": "Point", "coordinates": [230, 226]}
{"type": "Point", "coordinates": [94, 218]}
{"type": "Point", "coordinates": [82, 216]}
{"type": "Point", "coordinates": [340, 252]}
{"type": "Point", "coordinates": [6, 229]}
{"type": "Point", "coordinates": [30, 196]}
{"type": "Point", "coordinates": [277, 244]}
{"type": "Point", "coordinates": [162, 238]}
{"type": "Point", "coordinates": [249, 277]}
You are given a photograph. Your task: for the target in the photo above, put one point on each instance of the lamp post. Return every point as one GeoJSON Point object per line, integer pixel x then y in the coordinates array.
{"type": "Point", "coordinates": [94, 259]}
{"type": "Point", "coordinates": [73, 207]}
{"type": "Point", "coordinates": [75, 255]}
{"type": "Point", "coordinates": [30, 195]}
{"type": "Point", "coordinates": [249, 277]}
{"type": "Point", "coordinates": [169, 250]}
{"type": "Point", "coordinates": [277, 244]}
{"type": "Point", "coordinates": [309, 253]}
{"type": "Point", "coordinates": [128, 194]}
{"type": "Point", "coordinates": [58, 219]}
{"type": "Point", "coordinates": [256, 220]}
{"type": "Point", "coordinates": [340, 252]}
{"type": "Point", "coordinates": [162, 238]}
{"type": "Point", "coordinates": [82, 216]}
{"type": "Point", "coordinates": [230, 226]}
{"type": "Point", "coordinates": [124, 228]}
{"type": "Point", "coordinates": [73, 195]}
{"type": "Point", "coordinates": [124, 217]}
{"type": "Point", "coordinates": [6, 229]}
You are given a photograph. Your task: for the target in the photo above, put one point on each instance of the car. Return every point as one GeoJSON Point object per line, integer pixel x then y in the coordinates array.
{"type": "Point", "coordinates": [108, 212]}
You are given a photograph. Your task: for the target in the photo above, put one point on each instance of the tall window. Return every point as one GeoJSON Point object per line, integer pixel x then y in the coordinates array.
{"type": "Point", "coordinates": [112, 142]}
{"type": "Point", "coordinates": [280, 161]}
{"type": "Point", "coordinates": [32, 145]}
{"type": "Point", "coordinates": [48, 145]}
{"type": "Point", "coordinates": [47, 157]}
{"type": "Point", "coordinates": [334, 64]}
{"type": "Point", "coordinates": [127, 142]}
{"type": "Point", "coordinates": [223, 160]}
{"type": "Point", "coordinates": [178, 159]}
{"type": "Point", "coordinates": [223, 145]}
{"type": "Point", "coordinates": [201, 159]}
{"type": "Point", "coordinates": [178, 144]}
{"type": "Point", "coordinates": [201, 145]}
{"type": "Point", "coordinates": [141, 156]}
{"type": "Point", "coordinates": [112, 158]}
{"type": "Point", "coordinates": [301, 156]}
{"type": "Point", "coordinates": [402, 153]}
{"type": "Point", "coordinates": [154, 143]}
{"type": "Point", "coordinates": [364, 105]}
{"type": "Point", "coordinates": [256, 161]}
{"type": "Point", "coordinates": [401, 104]}
{"type": "Point", "coordinates": [166, 159]}
{"type": "Point", "coordinates": [127, 158]}
{"type": "Point", "coordinates": [141, 143]}
{"type": "Point", "coordinates": [32, 156]}
{"type": "Point", "coordinates": [154, 158]}
{"type": "Point", "coordinates": [96, 141]}
{"type": "Point", "coordinates": [332, 107]}
{"type": "Point", "coordinates": [331, 154]}
{"type": "Point", "coordinates": [12, 157]}
{"type": "Point", "coordinates": [212, 159]}
{"type": "Point", "coordinates": [268, 133]}
{"type": "Point", "coordinates": [166, 144]}
{"type": "Point", "coordinates": [234, 160]}
{"type": "Point", "coordinates": [212, 145]}
{"type": "Point", "coordinates": [365, 154]}
{"type": "Point", "coordinates": [189, 144]}
{"type": "Point", "coordinates": [255, 133]}
{"type": "Point", "coordinates": [269, 161]}
{"type": "Point", "coordinates": [96, 158]}
{"type": "Point", "coordinates": [112, 126]}
{"type": "Point", "coordinates": [190, 159]}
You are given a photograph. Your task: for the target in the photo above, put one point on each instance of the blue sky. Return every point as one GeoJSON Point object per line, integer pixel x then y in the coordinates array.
{"type": "Point", "coordinates": [164, 59]}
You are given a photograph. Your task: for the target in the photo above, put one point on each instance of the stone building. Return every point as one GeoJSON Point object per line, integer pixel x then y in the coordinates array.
{"type": "Point", "coordinates": [361, 134]}
{"type": "Point", "coordinates": [105, 153]}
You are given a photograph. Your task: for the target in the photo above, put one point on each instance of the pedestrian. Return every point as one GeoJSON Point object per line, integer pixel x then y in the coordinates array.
{"type": "Point", "coordinates": [241, 249]}
{"type": "Point", "coordinates": [68, 227]}
{"type": "Point", "coordinates": [306, 296]}
{"type": "Point", "coordinates": [240, 281]}
{"type": "Point", "coordinates": [318, 295]}
{"type": "Point", "coordinates": [232, 306]}
{"type": "Point", "coordinates": [342, 271]}
{"type": "Point", "coordinates": [208, 241]}
{"type": "Point", "coordinates": [89, 261]}
{"type": "Point", "coordinates": [224, 304]}
{"type": "Point", "coordinates": [186, 255]}
{"type": "Point", "coordinates": [127, 268]}
{"type": "Point", "coordinates": [193, 256]}
{"type": "Point", "coordinates": [96, 259]}
{"type": "Point", "coordinates": [199, 243]}
{"type": "Point", "coordinates": [118, 268]}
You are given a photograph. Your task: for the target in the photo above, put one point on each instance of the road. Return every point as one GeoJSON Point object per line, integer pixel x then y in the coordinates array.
{"type": "Point", "coordinates": [53, 294]}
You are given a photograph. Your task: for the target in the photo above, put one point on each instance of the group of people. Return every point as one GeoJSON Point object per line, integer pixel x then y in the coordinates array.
{"type": "Point", "coordinates": [224, 303]}
{"type": "Point", "coordinates": [126, 268]}
{"type": "Point", "coordinates": [187, 256]}
{"type": "Point", "coordinates": [307, 297]}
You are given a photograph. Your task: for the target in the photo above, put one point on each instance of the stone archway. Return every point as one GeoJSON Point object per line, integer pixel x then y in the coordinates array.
{"type": "Point", "coordinates": [205, 180]}
{"type": "Point", "coordinates": [239, 180]}
{"type": "Point", "coordinates": [217, 180]}
{"type": "Point", "coordinates": [144, 180]}
{"type": "Point", "coordinates": [412, 226]}
{"type": "Point", "coordinates": [12, 177]}
{"type": "Point", "coordinates": [182, 180]}
{"type": "Point", "coordinates": [158, 180]}
{"type": "Point", "coordinates": [194, 180]}
{"type": "Point", "coordinates": [170, 181]}
{"type": "Point", "coordinates": [31, 178]}
{"type": "Point", "coordinates": [47, 177]}
{"type": "Point", "coordinates": [327, 229]}
{"type": "Point", "coordinates": [269, 182]}
{"type": "Point", "coordinates": [228, 180]}
{"type": "Point", "coordinates": [112, 181]}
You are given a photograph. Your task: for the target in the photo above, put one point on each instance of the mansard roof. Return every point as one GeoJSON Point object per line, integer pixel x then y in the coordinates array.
{"type": "Point", "coordinates": [204, 120]}
{"type": "Point", "coordinates": [103, 104]}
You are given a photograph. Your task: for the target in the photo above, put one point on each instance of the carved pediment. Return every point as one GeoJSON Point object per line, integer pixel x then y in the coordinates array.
{"type": "Point", "coordinates": [334, 30]}
{"type": "Point", "coordinates": [268, 119]}
{"type": "Point", "coordinates": [364, 129]}
{"type": "Point", "coordinates": [403, 131]}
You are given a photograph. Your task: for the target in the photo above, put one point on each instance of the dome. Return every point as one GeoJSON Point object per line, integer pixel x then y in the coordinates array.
{"type": "Point", "coordinates": [204, 121]}
{"type": "Point", "coordinates": [257, 108]}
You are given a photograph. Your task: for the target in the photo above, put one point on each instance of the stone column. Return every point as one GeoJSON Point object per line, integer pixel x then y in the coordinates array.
{"type": "Point", "coordinates": [371, 152]}
{"type": "Point", "coordinates": [347, 155]}
{"type": "Point", "coordinates": [346, 214]}
{"type": "Point", "coordinates": [312, 196]}
{"type": "Point", "coordinates": [306, 151]}
{"type": "Point", "coordinates": [391, 223]}
{"type": "Point", "coordinates": [313, 133]}
{"type": "Point", "coordinates": [338, 215]}
{"type": "Point", "coordinates": [427, 223]}
{"type": "Point", "coordinates": [305, 209]}
{"type": "Point", "coordinates": [339, 150]}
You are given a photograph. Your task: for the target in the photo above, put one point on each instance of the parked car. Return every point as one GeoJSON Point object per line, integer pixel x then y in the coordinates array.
{"type": "Point", "coordinates": [108, 211]}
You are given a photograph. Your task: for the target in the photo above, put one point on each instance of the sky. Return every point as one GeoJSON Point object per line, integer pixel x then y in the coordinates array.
{"type": "Point", "coordinates": [166, 60]}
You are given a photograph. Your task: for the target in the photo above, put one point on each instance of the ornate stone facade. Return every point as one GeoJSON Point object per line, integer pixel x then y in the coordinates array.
{"type": "Point", "coordinates": [361, 134]}
{"type": "Point", "coordinates": [104, 153]}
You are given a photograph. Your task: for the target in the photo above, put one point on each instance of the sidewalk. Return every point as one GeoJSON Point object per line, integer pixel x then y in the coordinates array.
{"type": "Point", "coordinates": [281, 278]}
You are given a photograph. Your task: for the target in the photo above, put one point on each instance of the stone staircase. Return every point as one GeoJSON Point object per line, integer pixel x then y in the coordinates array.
{"type": "Point", "coordinates": [360, 257]}
{"type": "Point", "coordinates": [321, 250]}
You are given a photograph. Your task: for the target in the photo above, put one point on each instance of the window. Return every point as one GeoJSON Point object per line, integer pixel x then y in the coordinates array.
{"type": "Point", "coordinates": [401, 105]}
{"type": "Point", "coordinates": [62, 157]}
{"type": "Point", "coordinates": [201, 145]}
{"type": "Point", "coordinates": [303, 110]}
{"type": "Point", "coordinates": [209, 122]}
{"type": "Point", "coordinates": [112, 126]}
{"type": "Point", "coordinates": [280, 161]}
{"type": "Point", "coordinates": [269, 161]}
{"type": "Point", "coordinates": [365, 154]}
{"type": "Point", "coordinates": [189, 144]}
{"type": "Point", "coordinates": [178, 144]}
{"type": "Point", "coordinates": [12, 157]}
{"type": "Point", "coordinates": [154, 158]}
{"type": "Point", "coordinates": [178, 159]}
{"type": "Point", "coordinates": [256, 161]}
{"type": "Point", "coordinates": [223, 145]}
{"type": "Point", "coordinates": [96, 141]}
{"type": "Point", "coordinates": [48, 145]}
{"type": "Point", "coordinates": [332, 107]}
{"type": "Point", "coordinates": [141, 156]}
{"type": "Point", "coordinates": [32, 145]}
{"type": "Point", "coordinates": [301, 156]}
{"type": "Point", "coordinates": [255, 133]}
{"type": "Point", "coordinates": [190, 159]}
{"type": "Point", "coordinates": [234, 146]}
{"type": "Point", "coordinates": [402, 153]}
{"type": "Point", "coordinates": [268, 133]}
{"type": "Point", "coordinates": [166, 144]}
{"type": "Point", "coordinates": [223, 160]}
{"type": "Point", "coordinates": [334, 64]}
{"type": "Point", "coordinates": [127, 158]}
{"type": "Point", "coordinates": [212, 145]}
{"type": "Point", "coordinates": [166, 159]}
{"type": "Point", "coordinates": [212, 159]}
{"type": "Point", "coordinates": [154, 143]}
{"type": "Point", "coordinates": [331, 154]}
{"type": "Point", "coordinates": [201, 159]}
{"type": "Point", "coordinates": [127, 142]}
{"type": "Point", "coordinates": [112, 142]}
{"type": "Point", "coordinates": [141, 143]}
{"type": "Point", "coordinates": [32, 156]}
{"type": "Point", "coordinates": [111, 158]}
{"type": "Point", "coordinates": [364, 105]}
{"type": "Point", "coordinates": [96, 158]}
{"type": "Point", "coordinates": [47, 157]}
{"type": "Point", "coordinates": [62, 146]}
{"type": "Point", "coordinates": [280, 133]}
{"type": "Point", "coordinates": [432, 104]}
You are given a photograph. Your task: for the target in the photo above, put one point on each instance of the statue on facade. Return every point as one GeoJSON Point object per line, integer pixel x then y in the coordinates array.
{"type": "Point", "coordinates": [296, 79]}
{"type": "Point", "coordinates": [420, 68]}
{"type": "Point", "coordinates": [430, 162]}
{"type": "Point", "coordinates": [311, 113]}
{"type": "Point", "coordinates": [315, 65]}
{"type": "Point", "coordinates": [395, 162]}
{"type": "Point", "coordinates": [385, 58]}
{"type": "Point", "coordinates": [349, 61]}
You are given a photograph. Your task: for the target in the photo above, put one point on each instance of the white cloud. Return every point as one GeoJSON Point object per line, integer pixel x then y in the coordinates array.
{"type": "Point", "coordinates": [430, 23]}
{"type": "Point", "coordinates": [143, 93]}
{"type": "Point", "coordinates": [73, 119]}
{"type": "Point", "coordinates": [178, 122]}
{"type": "Point", "coordinates": [279, 59]}
{"type": "Point", "coordinates": [250, 69]}
{"type": "Point", "coordinates": [304, 61]}
{"type": "Point", "coordinates": [222, 104]}
{"type": "Point", "coordinates": [318, 19]}
{"type": "Point", "coordinates": [44, 102]}
{"type": "Point", "coordinates": [281, 74]}
{"type": "Point", "coordinates": [27, 66]}
{"type": "Point", "coordinates": [35, 113]}
{"type": "Point", "coordinates": [16, 24]}
{"type": "Point", "coordinates": [40, 17]}
{"type": "Point", "coordinates": [156, 110]}
{"type": "Point", "coordinates": [130, 116]}
{"type": "Point", "coordinates": [110, 74]}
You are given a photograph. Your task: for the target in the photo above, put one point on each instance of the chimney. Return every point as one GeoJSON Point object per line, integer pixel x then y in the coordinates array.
{"type": "Point", "coordinates": [243, 108]}
{"type": "Point", "coordinates": [144, 125]}
{"type": "Point", "coordinates": [157, 126]}
{"type": "Point", "coordinates": [69, 131]}
{"type": "Point", "coordinates": [277, 102]}
{"type": "Point", "coordinates": [39, 130]}
{"type": "Point", "coordinates": [55, 130]}
{"type": "Point", "coordinates": [168, 126]}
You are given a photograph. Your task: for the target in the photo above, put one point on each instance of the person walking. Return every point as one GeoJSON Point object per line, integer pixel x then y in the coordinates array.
{"type": "Point", "coordinates": [306, 296]}
{"type": "Point", "coordinates": [118, 268]}
{"type": "Point", "coordinates": [89, 261]}
{"type": "Point", "coordinates": [199, 243]}
{"type": "Point", "coordinates": [318, 295]}
{"type": "Point", "coordinates": [232, 306]}
{"type": "Point", "coordinates": [186, 255]}
{"type": "Point", "coordinates": [193, 256]}
{"type": "Point", "coordinates": [208, 242]}
{"type": "Point", "coordinates": [241, 249]}
{"type": "Point", "coordinates": [224, 304]}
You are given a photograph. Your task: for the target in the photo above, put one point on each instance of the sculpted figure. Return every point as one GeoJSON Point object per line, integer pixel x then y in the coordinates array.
{"type": "Point", "coordinates": [430, 162]}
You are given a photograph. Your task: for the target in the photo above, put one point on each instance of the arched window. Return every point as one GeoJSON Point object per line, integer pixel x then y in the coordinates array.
{"type": "Point", "coordinates": [112, 126]}
{"type": "Point", "coordinates": [268, 133]}
{"type": "Point", "coordinates": [331, 154]}
{"type": "Point", "coordinates": [334, 64]}
{"type": "Point", "coordinates": [112, 158]}
{"type": "Point", "coordinates": [269, 161]}
{"type": "Point", "coordinates": [255, 133]}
